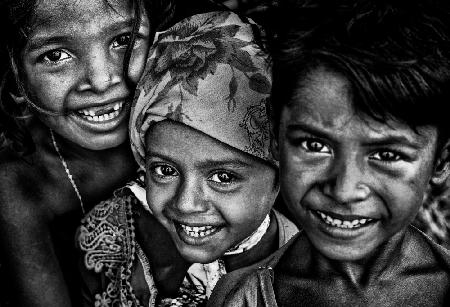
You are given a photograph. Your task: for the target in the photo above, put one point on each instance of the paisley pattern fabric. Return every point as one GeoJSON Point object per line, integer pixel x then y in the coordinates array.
{"type": "Point", "coordinates": [106, 237]}
{"type": "Point", "coordinates": [207, 66]}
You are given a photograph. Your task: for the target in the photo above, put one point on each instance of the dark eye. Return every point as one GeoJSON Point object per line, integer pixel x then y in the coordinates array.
{"type": "Point", "coordinates": [222, 177]}
{"type": "Point", "coordinates": [55, 56]}
{"type": "Point", "coordinates": [315, 146]}
{"type": "Point", "coordinates": [165, 171]}
{"type": "Point", "coordinates": [122, 40]}
{"type": "Point", "coordinates": [386, 156]}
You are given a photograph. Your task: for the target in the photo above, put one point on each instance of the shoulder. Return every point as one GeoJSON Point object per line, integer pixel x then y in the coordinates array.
{"type": "Point", "coordinates": [425, 252]}
{"type": "Point", "coordinates": [286, 228]}
{"type": "Point", "coordinates": [249, 283]}
{"type": "Point", "coordinates": [22, 192]}
{"type": "Point", "coordinates": [106, 234]}
{"type": "Point", "coordinates": [254, 289]}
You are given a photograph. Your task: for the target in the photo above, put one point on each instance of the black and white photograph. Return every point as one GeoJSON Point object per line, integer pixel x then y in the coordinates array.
{"type": "Point", "coordinates": [224, 153]}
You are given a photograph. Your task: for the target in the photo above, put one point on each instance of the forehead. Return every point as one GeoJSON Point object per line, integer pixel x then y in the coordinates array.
{"type": "Point", "coordinates": [183, 144]}
{"type": "Point", "coordinates": [323, 100]}
{"type": "Point", "coordinates": [63, 14]}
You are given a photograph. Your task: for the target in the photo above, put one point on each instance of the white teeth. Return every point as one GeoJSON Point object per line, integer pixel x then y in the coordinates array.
{"type": "Point", "coordinates": [89, 114]}
{"type": "Point", "coordinates": [340, 223]}
{"type": "Point", "coordinates": [196, 232]}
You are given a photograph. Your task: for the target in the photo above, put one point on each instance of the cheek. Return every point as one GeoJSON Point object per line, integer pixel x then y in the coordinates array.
{"type": "Point", "coordinates": [158, 198]}
{"type": "Point", "coordinates": [251, 205]}
{"type": "Point", "coordinates": [404, 197]}
{"type": "Point", "coordinates": [137, 63]}
{"type": "Point", "coordinates": [48, 92]}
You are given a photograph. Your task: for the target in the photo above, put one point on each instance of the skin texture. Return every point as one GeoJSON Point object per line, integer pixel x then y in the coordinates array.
{"type": "Point", "coordinates": [195, 180]}
{"type": "Point", "coordinates": [73, 60]}
{"type": "Point", "coordinates": [351, 167]}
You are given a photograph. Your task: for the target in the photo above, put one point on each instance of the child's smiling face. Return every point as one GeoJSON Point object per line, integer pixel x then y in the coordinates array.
{"type": "Point", "coordinates": [73, 65]}
{"type": "Point", "coordinates": [208, 195]}
{"type": "Point", "coordinates": [351, 182]}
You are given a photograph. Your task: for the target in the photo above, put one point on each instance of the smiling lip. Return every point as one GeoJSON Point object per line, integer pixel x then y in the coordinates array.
{"type": "Point", "coordinates": [102, 118]}
{"type": "Point", "coordinates": [343, 222]}
{"type": "Point", "coordinates": [196, 234]}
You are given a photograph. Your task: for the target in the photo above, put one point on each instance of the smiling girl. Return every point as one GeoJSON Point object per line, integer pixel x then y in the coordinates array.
{"type": "Point", "coordinates": [199, 128]}
{"type": "Point", "coordinates": [65, 102]}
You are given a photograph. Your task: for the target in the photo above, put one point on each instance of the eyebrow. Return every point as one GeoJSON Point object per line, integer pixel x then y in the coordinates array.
{"type": "Point", "coordinates": [38, 42]}
{"type": "Point", "coordinates": [309, 129]}
{"type": "Point", "coordinates": [223, 163]}
{"type": "Point", "coordinates": [381, 141]}
{"type": "Point", "coordinates": [209, 163]}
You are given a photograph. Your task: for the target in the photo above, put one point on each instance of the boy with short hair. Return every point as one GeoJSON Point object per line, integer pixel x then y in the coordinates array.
{"type": "Point", "coordinates": [361, 133]}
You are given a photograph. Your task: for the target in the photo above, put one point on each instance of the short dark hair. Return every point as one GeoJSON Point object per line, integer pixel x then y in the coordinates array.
{"type": "Point", "coordinates": [394, 54]}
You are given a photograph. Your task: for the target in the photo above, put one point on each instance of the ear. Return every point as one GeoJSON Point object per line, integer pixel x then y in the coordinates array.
{"type": "Point", "coordinates": [17, 99]}
{"type": "Point", "coordinates": [274, 145]}
{"type": "Point", "coordinates": [442, 165]}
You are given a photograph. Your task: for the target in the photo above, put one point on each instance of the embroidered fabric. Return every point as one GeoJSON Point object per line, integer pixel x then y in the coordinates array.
{"type": "Point", "coordinates": [106, 237]}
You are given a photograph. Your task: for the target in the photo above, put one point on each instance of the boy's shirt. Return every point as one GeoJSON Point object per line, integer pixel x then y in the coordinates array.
{"type": "Point", "coordinates": [425, 265]}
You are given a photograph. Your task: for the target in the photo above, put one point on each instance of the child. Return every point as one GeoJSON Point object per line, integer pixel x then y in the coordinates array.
{"type": "Point", "coordinates": [63, 128]}
{"type": "Point", "coordinates": [66, 71]}
{"type": "Point", "coordinates": [199, 128]}
{"type": "Point", "coordinates": [361, 133]}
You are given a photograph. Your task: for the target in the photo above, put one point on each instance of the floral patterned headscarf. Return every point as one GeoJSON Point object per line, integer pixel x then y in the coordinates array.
{"type": "Point", "coordinates": [208, 73]}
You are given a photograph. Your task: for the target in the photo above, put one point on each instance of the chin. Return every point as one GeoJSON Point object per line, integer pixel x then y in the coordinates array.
{"type": "Point", "coordinates": [344, 253]}
{"type": "Point", "coordinates": [104, 142]}
{"type": "Point", "coordinates": [197, 256]}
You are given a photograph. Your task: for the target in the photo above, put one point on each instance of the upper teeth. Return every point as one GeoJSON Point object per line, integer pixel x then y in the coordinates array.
{"type": "Point", "coordinates": [89, 114]}
{"type": "Point", "coordinates": [195, 231]}
{"type": "Point", "coordinates": [343, 224]}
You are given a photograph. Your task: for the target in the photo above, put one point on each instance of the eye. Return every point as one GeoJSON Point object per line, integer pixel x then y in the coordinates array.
{"type": "Point", "coordinates": [387, 156]}
{"type": "Point", "coordinates": [223, 178]}
{"type": "Point", "coordinates": [54, 56]}
{"type": "Point", "coordinates": [122, 41]}
{"type": "Point", "coordinates": [315, 146]}
{"type": "Point", "coordinates": [164, 171]}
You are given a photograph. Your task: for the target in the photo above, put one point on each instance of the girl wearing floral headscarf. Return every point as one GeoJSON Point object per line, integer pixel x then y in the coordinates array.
{"type": "Point", "coordinates": [199, 129]}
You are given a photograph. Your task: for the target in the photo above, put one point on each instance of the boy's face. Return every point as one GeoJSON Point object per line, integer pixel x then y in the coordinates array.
{"type": "Point", "coordinates": [73, 64]}
{"type": "Point", "coordinates": [208, 195]}
{"type": "Point", "coordinates": [351, 182]}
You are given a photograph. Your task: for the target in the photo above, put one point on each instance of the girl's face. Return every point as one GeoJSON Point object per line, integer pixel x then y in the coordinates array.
{"type": "Point", "coordinates": [209, 196]}
{"type": "Point", "coordinates": [73, 65]}
{"type": "Point", "coordinates": [351, 183]}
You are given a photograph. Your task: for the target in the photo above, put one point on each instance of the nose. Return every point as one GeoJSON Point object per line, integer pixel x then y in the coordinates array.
{"type": "Point", "coordinates": [101, 71]}
{"type": "Point", "coordinates": [347, 182]}
{"type": "Point", "coordinates": [190, 198]}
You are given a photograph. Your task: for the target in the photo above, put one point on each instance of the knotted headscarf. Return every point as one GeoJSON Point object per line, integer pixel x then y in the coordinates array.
{"type": "Point", "coordinates": [208, 73]}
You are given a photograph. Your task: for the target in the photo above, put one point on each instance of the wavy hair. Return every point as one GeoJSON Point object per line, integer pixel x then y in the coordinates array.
{"type": "Point", "coordinates": [17, 17]}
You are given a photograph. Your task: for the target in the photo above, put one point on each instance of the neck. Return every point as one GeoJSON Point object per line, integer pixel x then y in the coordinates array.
{"type": "Point", "coordinates": [97, 173]}
{"type": "Point", "coordinates": [70, 150]}
{"type": "Point", "coordinates": [362, 271]}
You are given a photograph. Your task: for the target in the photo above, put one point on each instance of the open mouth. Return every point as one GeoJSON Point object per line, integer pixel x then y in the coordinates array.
{"type": "Point", "coordinates": [342, 223]}
{"type": "Point", "coordinates": [101, 114]}
{"type": "Point", "coordinates": [199, 231]}
{"type": "Point", "coordinates": [196, 232]}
